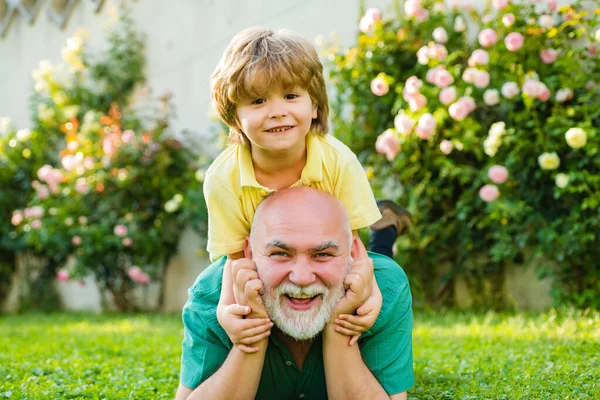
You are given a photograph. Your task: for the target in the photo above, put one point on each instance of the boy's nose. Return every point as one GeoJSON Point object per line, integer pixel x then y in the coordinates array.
{"type": "Point", "coordinates": [277, 110]}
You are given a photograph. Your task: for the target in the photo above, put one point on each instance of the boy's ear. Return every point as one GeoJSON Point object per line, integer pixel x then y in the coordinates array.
{"type": "Point", "coordinates": [247, 248]}
{"type": "Point", "coordinates": [315, 113]}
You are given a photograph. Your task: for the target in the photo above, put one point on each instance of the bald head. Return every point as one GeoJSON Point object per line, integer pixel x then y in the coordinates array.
{"type": "Point", "coordinates": [297, 207]}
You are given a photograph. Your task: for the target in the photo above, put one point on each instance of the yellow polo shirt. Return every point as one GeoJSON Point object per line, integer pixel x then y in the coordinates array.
{"type": "Point", "coordinates": [232, 193]}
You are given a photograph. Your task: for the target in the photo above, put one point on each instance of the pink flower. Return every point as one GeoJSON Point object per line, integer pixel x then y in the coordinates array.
{"type": "Point", "coordinates": [17, 217]}
{"type": "Point", "coordinates": [479, 57]}
{"type": "Point", "coordinates": [426, 126]}
{"type": "Point", "coordinates": [458, 111]}
{"type": "Point", "coordinates": [498, 174]}
{"type": "Point", "coordinates": [536, 89]}
{"type": "Point", "coordinates": [552, 5]}
{"type": "Point", "coordinates": [34, 212]}
{"type": "Point", "coordinates": [482, 79]}
{"type": "Point", "coordinates": [120, 230]}
{"type": "Point", "coordinates": [491, 97]}
{"type": "Point", "coordinates": [423, 55]}
{"type": "Point", "coordinates": [548, 56]}
{"type": "Point", "coordinates": [417, 103]}
{"type": "Point", "coordinates": [403, 123]}
{"type": "Point", "coordinates": [446, 146]}
{"type": "Point", "coordinates": [422, 15]}
{"type": "Point", "coordinates": [412, 85]}
{"type": "Point", "coordinates": [590, 85]}
{"type": "Point", "coordinates": [499, 4]}
{"type": "Point", "coordinates": [544, 94]}
{"type": "Point", "coordinates": [563, 95]}
{"type": "Point", "coordinates": [42, 192]}
{"type": "Point", "coordinates": [136, 274]}
{"type": "Point", "coordinates": [379, 86]}
{"type": "Point", "coordinates": [513, 41]}
{"type": "Point", "coordinates": [62, 275]}
{"type": "Point", "coordinates": [487, 37]}
{"type": "Point", "coordinates": [374, 13]}
{"type": "Point", "coordinates": [443, 79]}
{"type": "Point", "coordinates": [438, 51]}
{"type": "Point", "coordinates": [412, 7]}
{"type": "Point", "coordinates": [88, 162]}
{"type": "Point", "coordinates": [510, 90]}
{"type": "Point", "coordinates": [81, 186]}
{"type": "Point", "coordinates": [109, 145]}
{"type": "Point", "coordinates": [36, 224]}
{"type": "Point", "coordinates": [489, 193]}
{"type": "Point", "coordinates": [448, 95]}
{"type": "Point", "coordinates": [440, 35]}
{"type": "Point", "coordinates": [127, 242]}
{"type": "Point", "coordinates": [470, 74]}
{"type": "Point", "coordinates": [508, 20]}
{"type": "Point", "coordinates": [387, 143]}
{"type": "Point", "coordinates": [127, 136]}
{"type": "Point", "coordinates": [69, 162]}
{"type": "Point", "coordinates": [76, 240]}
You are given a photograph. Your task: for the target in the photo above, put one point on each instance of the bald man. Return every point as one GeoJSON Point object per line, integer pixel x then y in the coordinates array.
{"type": "Point", "coordinates": [302, 268]}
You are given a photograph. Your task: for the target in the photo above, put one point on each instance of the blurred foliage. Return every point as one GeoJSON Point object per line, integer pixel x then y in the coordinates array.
{"type": "Point", "coordinates": [440, 147]}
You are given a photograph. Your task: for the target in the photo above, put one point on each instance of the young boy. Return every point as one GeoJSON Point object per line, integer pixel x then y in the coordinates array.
{"type": "Point", "coordinates": [269, 89]}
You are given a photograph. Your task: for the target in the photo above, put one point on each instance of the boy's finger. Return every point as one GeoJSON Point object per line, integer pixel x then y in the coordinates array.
{"type": "Point", "coordinates": [354, 339]}
{"type": "Point", "coordinates": [238, 309]}
{"type": "Point", "coordinates": [349, 326]}
{"type": "Point", "coordinates": [257, 330]}
{"type": "Point", "coordinates": [248, 349]}
{"type": "Point", "coordinates": [254, 339]}
{"type": "Point", "coordinates": [354, 319]}
{"type": "Point", "coordinates": [251, 323]}
{"type": "Point", "coordinates": [345, 331]}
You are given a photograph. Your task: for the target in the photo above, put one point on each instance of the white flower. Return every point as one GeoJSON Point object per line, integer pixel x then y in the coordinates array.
{"type": "Point", "coordinates": [171, 206]}
{"type": "Point", "coordinates": [200, 175]}
{"type": "Point", "coordinates": [5, 125]}
{"type": "Point", "coordinates": [178, 198]}
{"type": "Point", "coordinates": [549, 161]}
{"type": "Point", "coordinates": [23, 135]}
{"type": "Point", "coordinates": [491, 97]}
{"type": "Point", "coordinates": [45, 113]}
{"type": "Point", "coordinates": [576, 138]}
{"type": "Point", "coordinates": [561, 180]}
{"type": "Point", "coordinates": [497, 129]}
{"type": "Point", "coordinates": [459, 24]}
{"type": "Point", "coordinates": [597, 35]}
{"type": "Point", "coordinates": [70, 112]}
{"type": "Point", "coordinates": [510, 90]}
{"type": "Point", "coordinates": [403, 123]}
{"type": "Point", "coordinates": [440, 35]}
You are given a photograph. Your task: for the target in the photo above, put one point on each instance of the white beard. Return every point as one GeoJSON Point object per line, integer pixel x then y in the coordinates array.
{"type": "Point", "coordinates": [301, 324]}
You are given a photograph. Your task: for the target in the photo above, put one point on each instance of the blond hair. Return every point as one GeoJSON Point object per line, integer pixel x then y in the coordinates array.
{"type": "Point", "coordinates": [259, 57]}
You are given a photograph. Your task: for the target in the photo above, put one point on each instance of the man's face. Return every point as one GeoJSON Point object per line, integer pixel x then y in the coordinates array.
{"type": "Point", "coordinates": [302, 263]}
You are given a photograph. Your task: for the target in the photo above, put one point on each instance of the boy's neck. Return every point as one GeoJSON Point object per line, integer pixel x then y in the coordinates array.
{"type": "Point", "coordinates": [278, 170]}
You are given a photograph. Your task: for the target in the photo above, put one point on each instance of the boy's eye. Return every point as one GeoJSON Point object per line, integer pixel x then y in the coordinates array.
{"type": "Point", "coordinates": [258, 101]}
{"type": "Point", "coordinates": [291, 96]}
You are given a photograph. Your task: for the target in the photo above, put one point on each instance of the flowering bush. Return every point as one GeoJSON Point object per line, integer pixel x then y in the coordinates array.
{"type": "Point", "coordinates": [120, 188]}
{"type": "Point", "coordinates": [491, 143]}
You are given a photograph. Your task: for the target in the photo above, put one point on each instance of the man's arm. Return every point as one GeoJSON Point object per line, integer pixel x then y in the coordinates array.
{"type": "Point", "coordinates": [238, 377]}
{"type": "Point", "coordinates": [346, 374]}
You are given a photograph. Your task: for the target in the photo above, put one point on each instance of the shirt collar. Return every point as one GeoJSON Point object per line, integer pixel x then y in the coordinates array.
{"type": "Point", "coordinates": [312, 172]}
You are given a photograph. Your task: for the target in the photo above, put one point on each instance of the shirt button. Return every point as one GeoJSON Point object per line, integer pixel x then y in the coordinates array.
{"type": "Point", "coordinates": [288, 363]}
{"type": "Point", "coordinates": [301, 396]}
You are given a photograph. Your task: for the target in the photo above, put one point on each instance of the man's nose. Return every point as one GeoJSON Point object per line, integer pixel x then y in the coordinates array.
{"type": "Point", "coordinates": [301, 274]}
{"type": "Point", "coordinates": [277, 109]}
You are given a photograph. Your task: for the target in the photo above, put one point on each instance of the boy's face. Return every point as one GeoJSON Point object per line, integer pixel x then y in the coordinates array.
{"type": "Point", "coordinates": [278, 120]}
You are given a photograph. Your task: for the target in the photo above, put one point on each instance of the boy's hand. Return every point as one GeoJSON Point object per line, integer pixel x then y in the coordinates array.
{"type": "Point", "coordinates": [362, 298]}
{"type": "Point", "coordinates": [248, 288]}
{"type": "Point", "coordinates": [243, 332]}
{"type": "Point", "coordinates": [355, 325]}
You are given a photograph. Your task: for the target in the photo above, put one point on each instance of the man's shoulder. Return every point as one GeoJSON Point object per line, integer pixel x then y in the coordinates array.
{"type": "Point", "coordinates": [207, 287]}
{"type": "Point", "coordinates": [387, 271]}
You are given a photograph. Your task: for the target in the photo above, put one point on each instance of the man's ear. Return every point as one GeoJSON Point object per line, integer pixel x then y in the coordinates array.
{"type": "Point", "coordinates": [355, 252]}
{"type": "Point", "coordinates": [247, 248]}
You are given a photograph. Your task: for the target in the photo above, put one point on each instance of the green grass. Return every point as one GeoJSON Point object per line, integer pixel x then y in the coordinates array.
{"type": "Point", "coordinates": [457, 356]}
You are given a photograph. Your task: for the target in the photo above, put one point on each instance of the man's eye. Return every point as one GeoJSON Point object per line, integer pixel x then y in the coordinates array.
{"type": "Point", "coordinates": [278, 254]}
{"type": "Point", "coordinates": [291, 96]}
{"type": "Point", "coordinates": [323, 255]}
{"type": "Point", "coordinates": [258, 101]}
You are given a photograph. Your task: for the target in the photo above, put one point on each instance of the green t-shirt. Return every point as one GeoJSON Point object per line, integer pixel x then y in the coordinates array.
{"type": "Point", "coordinates": [386, 348]}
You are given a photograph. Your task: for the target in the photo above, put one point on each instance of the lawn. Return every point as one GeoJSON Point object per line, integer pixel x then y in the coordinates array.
{"type": "Point", "coordinates": [555, 355]}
